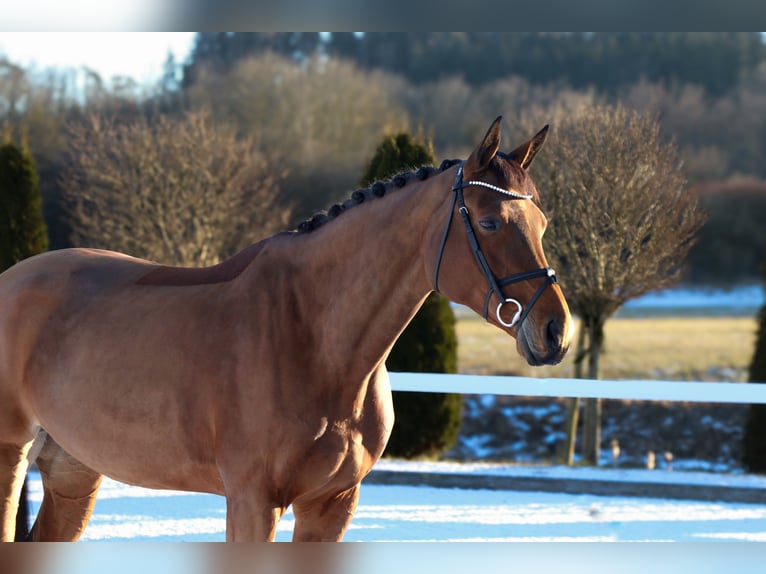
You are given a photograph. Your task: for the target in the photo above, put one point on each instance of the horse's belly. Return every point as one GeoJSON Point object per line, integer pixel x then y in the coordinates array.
{"type": "Point", "coordinates": [137, 457]}
{"type": "Point", "coordinates": [133, 434]}
{"type": "Point", "coordinates": [187, 477]}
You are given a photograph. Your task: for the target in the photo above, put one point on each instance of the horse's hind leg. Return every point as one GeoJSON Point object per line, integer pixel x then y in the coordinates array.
{"type": "Point", "coordinates": [70, 490]}
{"type": "Point", "coordinates": [13, 469]}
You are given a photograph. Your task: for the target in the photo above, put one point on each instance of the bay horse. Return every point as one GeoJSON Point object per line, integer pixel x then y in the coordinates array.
{"type": "Point", "coordinates": [261, 379]}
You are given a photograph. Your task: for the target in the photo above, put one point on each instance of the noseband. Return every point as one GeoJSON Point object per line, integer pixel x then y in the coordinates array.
{"type": "Point", "coordinates": [495, 285]}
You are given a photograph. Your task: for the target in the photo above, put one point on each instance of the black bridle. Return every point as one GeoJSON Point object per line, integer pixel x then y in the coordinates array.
{"type": "Point", "coordinates": [495, 285]}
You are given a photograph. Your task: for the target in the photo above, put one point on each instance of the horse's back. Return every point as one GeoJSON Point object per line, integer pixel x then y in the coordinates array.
{"type": "Point", "coordinates": [59, 274]}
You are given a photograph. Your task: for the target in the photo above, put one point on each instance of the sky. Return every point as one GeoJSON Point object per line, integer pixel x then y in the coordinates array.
{"type": "Point", "coordinates": [139, 55]}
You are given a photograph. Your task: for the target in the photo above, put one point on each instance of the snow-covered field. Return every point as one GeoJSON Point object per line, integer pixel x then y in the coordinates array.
{"type": "Point", "coordinates": [741, 300]}
{"type": "Point", "coordinates": [743, 297]}
{"type": "Point", "coordinates": [582, 534]}
{"type": "Point", "coordinates": [424, 514]}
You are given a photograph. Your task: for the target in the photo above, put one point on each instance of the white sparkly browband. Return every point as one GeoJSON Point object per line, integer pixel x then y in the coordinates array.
{"type": "Point", "coordinates": [499, 189]}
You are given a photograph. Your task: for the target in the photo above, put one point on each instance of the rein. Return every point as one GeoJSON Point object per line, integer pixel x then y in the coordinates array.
{"type": "Point", "coordinates": [495, 285]}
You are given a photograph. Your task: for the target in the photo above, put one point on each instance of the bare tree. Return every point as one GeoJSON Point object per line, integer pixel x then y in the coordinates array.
{"type": "Point", "coordinates": [14, 86]}
{"type": "Point", "coordinates": [179, 191]}
{"type": "Point", "coordinates": [320, 117]}
{"type": "Point", "coordinates": [622, 223]}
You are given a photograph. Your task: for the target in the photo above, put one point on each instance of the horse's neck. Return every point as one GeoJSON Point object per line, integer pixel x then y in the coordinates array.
{"type": "Point", "coordinates": [367, 275]}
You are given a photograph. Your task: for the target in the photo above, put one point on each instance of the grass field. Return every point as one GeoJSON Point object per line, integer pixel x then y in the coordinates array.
{"type": "Point", "coordinates": [672, 348]}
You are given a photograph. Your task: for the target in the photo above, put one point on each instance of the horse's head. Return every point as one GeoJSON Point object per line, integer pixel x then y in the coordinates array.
{"type": "Point", "coordinates": [490, 254]}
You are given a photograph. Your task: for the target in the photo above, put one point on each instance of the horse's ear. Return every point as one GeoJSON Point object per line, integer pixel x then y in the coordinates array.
{"type": "Point", "coordinates": [526, 152]}
{"type": "Point", "coordinates": [486, 150]}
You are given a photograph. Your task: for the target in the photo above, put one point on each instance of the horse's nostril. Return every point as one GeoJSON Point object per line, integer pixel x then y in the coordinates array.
{"type": "Point", "coordinates": [553, 334]}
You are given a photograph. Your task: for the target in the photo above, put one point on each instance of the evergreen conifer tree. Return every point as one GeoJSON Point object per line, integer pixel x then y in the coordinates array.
{"type": "Point", "coordinates": [754, 439]}
{"type": "Point", "coordinates": [427, 424]}
{"type": "Point", "coordinates": [22, 228]}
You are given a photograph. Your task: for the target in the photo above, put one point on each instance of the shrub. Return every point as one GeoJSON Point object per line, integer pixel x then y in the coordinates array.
{"type": "Point", "coordinates": [427, 424]}
{"type": "Point", "coordinates": [395, 154]}
{"type": "Point", "coordinates": [22, 228]}
{"type": "Point", "coordinates": [179, 190]}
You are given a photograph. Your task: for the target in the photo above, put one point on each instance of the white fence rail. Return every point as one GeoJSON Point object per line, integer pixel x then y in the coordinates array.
{"type": "Point", "coordinates": [695, 392]}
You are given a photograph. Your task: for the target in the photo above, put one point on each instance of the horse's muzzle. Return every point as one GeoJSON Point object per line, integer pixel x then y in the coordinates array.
{"type": "Point", "coordinates": [545, 344]}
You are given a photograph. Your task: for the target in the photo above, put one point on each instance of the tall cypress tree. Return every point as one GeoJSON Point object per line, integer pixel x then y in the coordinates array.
{"type": "Point", "coordinates": [427, 424]}
{"type": "Point", "coordinates": [754, 439]}
{"type": "Point", "coordinates": [22, 228]}
{"type": "Point", "coordinates": [22, 234]}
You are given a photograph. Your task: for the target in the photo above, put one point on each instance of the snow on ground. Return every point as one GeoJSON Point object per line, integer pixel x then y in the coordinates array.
{"type": "Point", "coordinates": [741, 300]}
{"type": "Point", "coordinates": [424, 514]}
{"type": "Point", "coordinates": [584, 473]}
{"type": "Point", "coordinates": [748, 296]}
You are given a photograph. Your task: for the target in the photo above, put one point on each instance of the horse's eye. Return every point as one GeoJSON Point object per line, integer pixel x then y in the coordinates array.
{"type": "Point", "coordinates": [489, 224]}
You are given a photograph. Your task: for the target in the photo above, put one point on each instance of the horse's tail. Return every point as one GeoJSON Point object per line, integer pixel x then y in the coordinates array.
{"type": "Point", "coordinates": [22, 515]}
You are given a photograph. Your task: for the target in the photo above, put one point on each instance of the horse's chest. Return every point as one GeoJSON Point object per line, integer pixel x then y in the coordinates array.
{"type": "Point", "coordinates": [337, 451]}
{"type": "Point", "coordinates": [341, 452]}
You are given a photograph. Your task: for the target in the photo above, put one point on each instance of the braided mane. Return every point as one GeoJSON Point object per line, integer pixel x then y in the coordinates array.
{"type": "Point", "coordinates": [378, 189]}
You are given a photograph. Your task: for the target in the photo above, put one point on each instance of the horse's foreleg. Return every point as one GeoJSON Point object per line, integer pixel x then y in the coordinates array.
{"type": "Point", "coordinates": [249, 520]}
{"type": "Point", "coordinates": [70, 490]}
{"type": "Point", "coordinates": [325, 520]}
{"type": "Point", "coordinates": [13, 469]}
